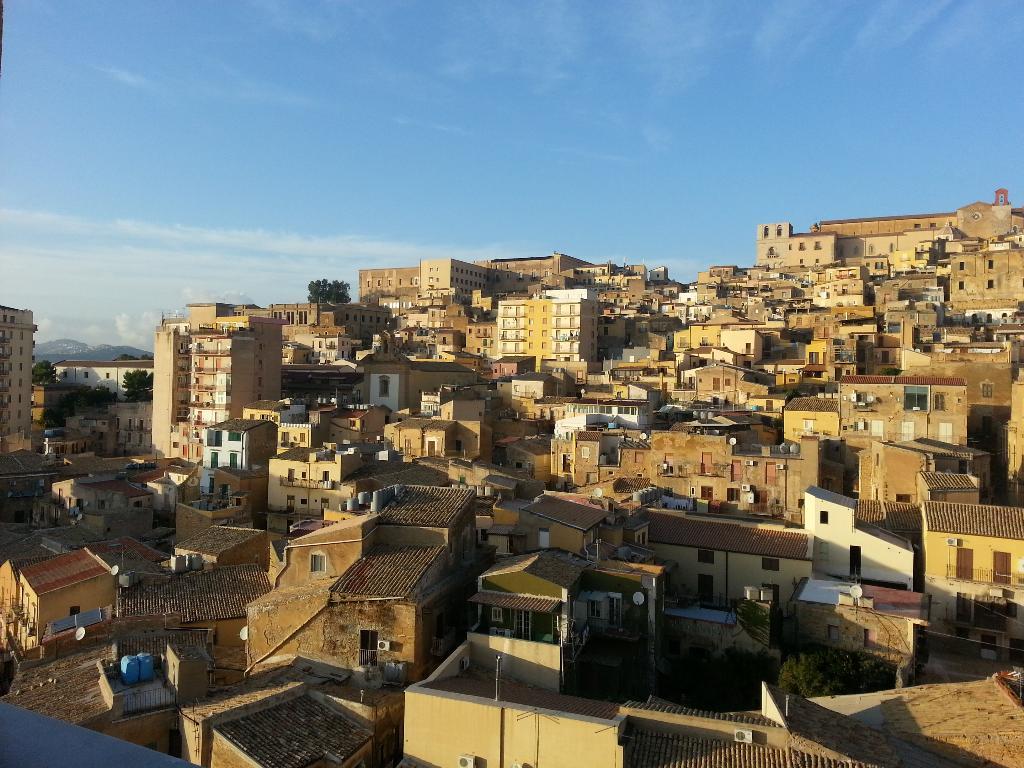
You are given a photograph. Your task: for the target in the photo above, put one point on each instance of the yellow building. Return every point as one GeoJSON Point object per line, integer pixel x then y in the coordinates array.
{"type": "Point", "coordinates": [308, 481]}
{"type": "Point", "coordinates": [558, 326]}
{"type": "Point", "coordinates": [974, 572]}
{"type": "Point", "coordinates": [16, 345]}
{"type": "Point", "coordinates": [810, 416]}
{"type": "Point", "coordinates": [54, 589]}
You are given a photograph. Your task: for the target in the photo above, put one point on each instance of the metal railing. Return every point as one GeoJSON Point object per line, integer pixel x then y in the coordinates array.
{"type": "Point", "coordinates": [986, 575]}
{"type": "Point", "coordinates": [137, 702]}
{"type": "Point", "coordinates": [326, 485]}
{"type": "Point", "coordinates": [368, 657]}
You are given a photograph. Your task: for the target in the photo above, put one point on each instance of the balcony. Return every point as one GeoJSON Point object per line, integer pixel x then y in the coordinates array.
{"type": "Point", "coordinates": [368, 657]}
{"type": "Point", "coordinates": [442, 646]}
{"type": "Point", "coordinates": [984, 575]}
{"type": "Point", "coordinates": [5, 353]}
{"type": "Point", "coordinates": [296, 482]}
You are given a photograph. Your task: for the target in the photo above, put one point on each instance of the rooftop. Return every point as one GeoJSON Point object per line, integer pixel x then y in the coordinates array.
{"type": "Point", "coordinates": [295, 733]}
{"type": "Point", "coordinates": [557, 567]}
{"type": "Point", "coordinates": [220, 593]}
{"type": "Point", "coordinates": [219, 538]}
{"type": "Point", "coordinates": [936, 381]}
{"type": "Point", "coordinates": [949, 481]}
{"type": "Point", "coordinates": [813, 404]}
{"type": "Point", "coordinates": [241, 425]}
{"type": "Point", "coordinates": [427, 506]}
{"type": "Point", "coordinates": [582, 517]}
{"type": "Point", "coordinates": [974, 519]}
{"type": "Point", "coordinates": [64, 570]}
{"type": "Point", "coordinates": [685, 531]}
{"type": "Point", "coordinates": [387, 572]}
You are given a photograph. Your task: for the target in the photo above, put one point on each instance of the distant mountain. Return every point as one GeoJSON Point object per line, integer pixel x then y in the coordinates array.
{"type": "Point", "coordinates": [69, 349]}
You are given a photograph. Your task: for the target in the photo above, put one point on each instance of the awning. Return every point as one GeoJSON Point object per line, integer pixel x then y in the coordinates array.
{"type": "Point", "coordinates": [517, 602]}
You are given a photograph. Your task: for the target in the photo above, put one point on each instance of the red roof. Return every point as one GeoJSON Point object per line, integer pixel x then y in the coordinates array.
{"type": "Point", "coordinates": [129, 546]}
{"type": "Point", "coordinates": [63, 570]}
{"type": "Point", "coordinates": [939, 381]}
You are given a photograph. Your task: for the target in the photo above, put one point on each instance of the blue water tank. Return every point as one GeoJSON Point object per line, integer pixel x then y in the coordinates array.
{"type": "Point", "coordinates": [129, 670]}
{"type": "Point", "coordinates": [145, 667]}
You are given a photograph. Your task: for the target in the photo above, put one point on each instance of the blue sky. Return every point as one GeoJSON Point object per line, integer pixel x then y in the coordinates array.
{"type": "Point", "coordinates": [153, 154]}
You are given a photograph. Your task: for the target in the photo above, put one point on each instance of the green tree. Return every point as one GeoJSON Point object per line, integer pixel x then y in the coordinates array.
{"type": "Point", "coordinates": [727, 682]}
{"type": "Point", "coordinates": [138, 386]}
{"type": "Point", "coordinates": [834, 672]}
{"type": "Point", "coordinates": [74, 402]}
{"type": "Point", "coordinates": [326, 291]}
{"type": "Point", "coordinates": [891, 371]}
{"type": "Point", "coordinates": [44, 372]}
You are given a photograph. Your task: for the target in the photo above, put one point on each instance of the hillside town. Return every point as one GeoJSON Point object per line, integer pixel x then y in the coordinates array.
{"type": "Point", "coordinates": [538, 512]}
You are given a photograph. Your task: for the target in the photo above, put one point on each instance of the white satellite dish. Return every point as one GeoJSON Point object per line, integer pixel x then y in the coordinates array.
{"type": "Point", "coordinates": [638, 598]}
{"type": "Point", "coordinates": [732, 441]}
{"type": "Point", "coordinates": [114, 570]}
{"type": "Point", "coordinates": [599, 492]}
{"type": "Point", "coordinates": [243, 633]}
{"type": "Point", "coordinates": [643, 435]}
{"type": "Point", "coordinates": [856, 591]}
{"type": "Point", "coordinates": [80, 633]}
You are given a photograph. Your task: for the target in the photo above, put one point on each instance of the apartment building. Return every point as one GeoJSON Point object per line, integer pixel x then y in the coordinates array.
{"type": "Point", "coordinates": [557, 327]}
{"type": "Point", "coordinates": [17, 333]}
{"type": "Point", "coordinates": [972, 569]}
{"type": "Point", "coordinates": [899, 409]}
{"type": "Point", "coordinates": [207, 367]}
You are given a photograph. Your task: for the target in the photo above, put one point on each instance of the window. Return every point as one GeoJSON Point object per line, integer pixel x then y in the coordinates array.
{"type": "Point", "coordinates": [594, 609]}
{"type": "Point", "coordinates": [938, 402]}
{"type": "Point", "coordinates": [877, 428]}
{"type": "Point", "coordinates": [986, 389]}
{"type": "Point", "coordinates": [946, 431]}
{"type": "Point", "coordinates": [705, 556]}
{"type": "Point", "coordinates": [960, 285]}
{"type": "Point", "coordinates": [384, 386]}
{"type": "Point", "coordinates": [823, 517]}
{"type": "Point", "coordinates": [233, 460]}
{"type": "Point", "coordinates": [907, 430]}
{"type": "Point", "coordinates": [962, 265]}
{"type": "Point", "coordinates": [870, 638]}
{"type": "Point", "coordinates": [317, 563]}
{"type": "Point", "coordinates": [497, 615]}
{"type": "Point", "coordinates": [990, 283]}
{"type": "Point", "coordinates": [915, 398]}
{"type": "Point", "coordinates": [833, 633]}
{"type": "Point", "coordinates": [214, 458]}
{"type": "Point", "coordinates": [769, 563]}
{"type": "Point", "coordinates": [614, 609]}
{"type": "Point", "coordinates": [235, 437]}
{"type": "Point", "coordinates": [705, 586]}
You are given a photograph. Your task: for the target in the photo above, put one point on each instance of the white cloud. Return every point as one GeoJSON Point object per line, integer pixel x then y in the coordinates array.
{"type": "Point", "coordinates": [100, 281]}
{"type": "Point", "coordinates": [124, 77]}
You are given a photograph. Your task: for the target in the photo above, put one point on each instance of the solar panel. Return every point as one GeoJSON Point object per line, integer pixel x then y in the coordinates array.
{"type": "Point", "coordinates": [61, 625]}
{"type": "Point", "coordinates": [95, 616]}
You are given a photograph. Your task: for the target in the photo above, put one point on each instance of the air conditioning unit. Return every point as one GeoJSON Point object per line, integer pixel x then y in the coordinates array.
{"type": "Point", "coordinates": [862, 425]}
{"type": "Point", "coordinates": [780, 467]}
{"type": "Point", "coordinates": [952, 542]}
{"type": "Point", "coordinates": [743, 736]}
{"type": "Point", "coordinates": [383, 645]}
{"type": "Point", "coordinates": [464, 663]}
{"type": "Point", "coordinates": [750, 463]}
{"type": "Point", "coordinates": [744, 487]}
{"type": "Point", "coordinates": [467, 761]}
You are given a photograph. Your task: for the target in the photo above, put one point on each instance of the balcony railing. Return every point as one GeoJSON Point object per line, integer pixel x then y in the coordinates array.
{"type": "Point", "coordinates": [137, 702]}
{"type": "Point", "coordinates": [441, 646]}
{"type": "Point", "coordinates": [368, 657]}
{"type": "Point", "coordinates": [296, 482]}
{"type": "Point", "coordinates": [986, 575]}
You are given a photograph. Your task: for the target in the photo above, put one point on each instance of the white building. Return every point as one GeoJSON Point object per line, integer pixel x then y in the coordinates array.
{"type": "Point", "coordinates": [845, 548]}
{"type": "Point", "coordinates": [100, 373]}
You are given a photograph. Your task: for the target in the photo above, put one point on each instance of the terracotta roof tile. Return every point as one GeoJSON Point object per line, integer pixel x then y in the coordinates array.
{"type": "Point", "coordinates": [559, 568]}
{"type": "Point", "coordinates": [630, 484]}
{"type": "Point", "coordinates": [813, 404]}
{"type": "Point", "coordinates": [427, 506]}
{"type": "Point", "coordinates": [653, 749]}
{"type": "Point", "coordinates": [220, 593]}
{"type": "Point", "coordinates": [517, 602]}
{"type": "Point", "coordinates": [64, 570]}
{"type": "Point", "coordinates": [949, 481]}
{"type": "Point", "coordinates": [975, 519]}
{"type": "Point", "coordinates": [219, 538]}
{"type": "Point", "coordinates": [294, 734]}
{"type": "Point", "coordinates": [387, 571]}
{"type": "Point", "coordinates": [656, 704]}
{"type": "Point", "coordinates": [938, 381]}
{"type": "Point", "coordinates": [560, 510]}
{"type": "Point", "coordinates": [683, 531]}
{"type": "Point", "coordinates": [896, 516]}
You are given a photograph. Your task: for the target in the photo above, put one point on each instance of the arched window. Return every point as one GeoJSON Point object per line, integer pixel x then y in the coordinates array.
{"type": "Point", "coordinates": [771, 251]}
{"type": "Point", "coordinates": [764, 232]}
{"type": "Point", "coordinates": [384, 386]}
{"type": "Point", "coordinates": [778, 230]}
